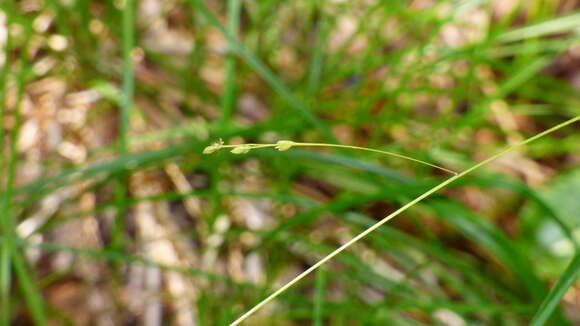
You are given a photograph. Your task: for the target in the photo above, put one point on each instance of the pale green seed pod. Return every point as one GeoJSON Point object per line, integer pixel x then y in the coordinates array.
{"type": "Point", "coordinates": [284, 145]}
{"type": "Point", "coordinates": [211, 148]}
{"type": "Point", "coordinates": [241, 149]}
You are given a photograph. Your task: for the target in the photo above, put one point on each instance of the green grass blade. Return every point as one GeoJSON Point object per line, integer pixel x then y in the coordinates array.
{"type": "Point", "coordinates": [128, 75]}
{"type": "Point", "coordinates": [488, 236]}
{"type": "Point", "coordinates": [318, 316]}
{"type": "Point", "coordinates": [385, 236]}
{"type": "Point", "coordinates": [525, 191]}
{"type": "Point", "coordinates": [557, 25]}
{"type": "Point", "coordinates": [5, 218]}
{"type": "Point", "coordinates": [124, 120]}
{"type": "Point", "coordinates": [553, 298]}
{"type": "Point", "coordinates": [120, 257]}
{"type": "Point", "coordinates": [229, 93]}
{"type": "Point", "coordinates": [8, 253]}
{"type": "Point", "coordinates": [31, 294]}
{"type": "Point", "coordinates": [516, 80]}
{"type": "Point", "coordinates": [317, 58]}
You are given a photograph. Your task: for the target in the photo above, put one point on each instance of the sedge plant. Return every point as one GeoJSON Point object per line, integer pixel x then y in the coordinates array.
{"type": "Point", "coordinates": [284, 145]}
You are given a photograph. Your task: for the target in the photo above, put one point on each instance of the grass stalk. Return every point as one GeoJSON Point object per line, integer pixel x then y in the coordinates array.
{"type": "Point", "coordinates": [317, 59]}
{"type": "Point", "coordinates": [33, 297]}
{"type": "Point", "coordinates": [4, 215]}
{"type": "Point", "coordinates": [297, 144]}
{"type": "Point", "coordinates": [128, 75]}
{"type": "Point", "coordinates": [318, 316]}
{"type": "Point", "coordinates": [9, 254]}
{"type": "Point", "coordinates": [396, 213]}
{"type": "Point", "coordinates": [229, 93]}
{"type": "Point", "coordinates": [553, 298]}
{"type": "Point", "coordinates": [124, 119]}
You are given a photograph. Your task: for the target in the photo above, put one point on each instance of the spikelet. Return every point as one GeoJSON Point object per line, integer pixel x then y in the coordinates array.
{"type": "Point", "coordinates": [213, 147]}
{"type": "Point", "coordinates": [284, 145]}
{"type": "Point", "coordinates": [241, 149]}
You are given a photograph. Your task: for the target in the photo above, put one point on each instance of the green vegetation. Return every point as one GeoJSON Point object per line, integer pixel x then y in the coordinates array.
{"type": "Point", "coordinates": [458, 117]}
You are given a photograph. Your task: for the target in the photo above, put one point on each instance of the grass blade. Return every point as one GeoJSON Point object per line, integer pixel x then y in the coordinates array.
{"type": "Point", "coordinates": [9, 254]}
{"type": "Point", "coordinates": [488, 236]}
{"type": "Point", "coordinates": [317, 58]}
{"type": "Point", "coordinates": [553, 26]}
{"type": "Point", "coordinates": [128, 75]}
{"type": "Point", "coordinates": [125, 113]}
{"type": "Point", "coordinates": [319, 297]}
{"type": "Point", "coordinates": [553, 298]}
{"type": "Point", "coordinates": [229, 93]}
{"type": "Point", "coordinates": [4, 216]}
{"type": "Point", "coordinates": [31, 294]}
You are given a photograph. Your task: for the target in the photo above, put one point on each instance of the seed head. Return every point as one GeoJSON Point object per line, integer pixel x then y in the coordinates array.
{"type": "Point", "coordinates": [213, 147]}
{"type": "Point", "coordinates": [284, 145]}
{"type": "Point", "coordinates": [241, 149]}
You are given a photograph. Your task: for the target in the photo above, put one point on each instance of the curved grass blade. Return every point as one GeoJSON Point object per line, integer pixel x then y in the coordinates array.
{"type": "Point", "coordinates": [553, 298]}
{"type": "Point", "coordinates": [120, 257]}
{"type": "Point", "coordinates": [284, 145]}
{"type": "Point", "coordinates": [28, 287]}
{"type": "Point", "coordinates": [530, 194]}
{"type": "Point", "coordinates": [488, 236]}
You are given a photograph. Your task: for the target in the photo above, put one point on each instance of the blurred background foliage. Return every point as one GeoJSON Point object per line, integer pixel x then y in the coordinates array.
{"type": "Point", "coordinates": [111, 215]}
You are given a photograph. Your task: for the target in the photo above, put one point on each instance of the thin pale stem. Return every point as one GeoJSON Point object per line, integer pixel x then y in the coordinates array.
{"type": "Point", "coordinates": [392, 215]}
{"type": "Point", "coordinates": [381, 152]}
{"type": "Point", "coordinates": [255, 146]}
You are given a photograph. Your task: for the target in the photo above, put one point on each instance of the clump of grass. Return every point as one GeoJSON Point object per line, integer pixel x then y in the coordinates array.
{"type": "Point", "coordinates": [403, 84]}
